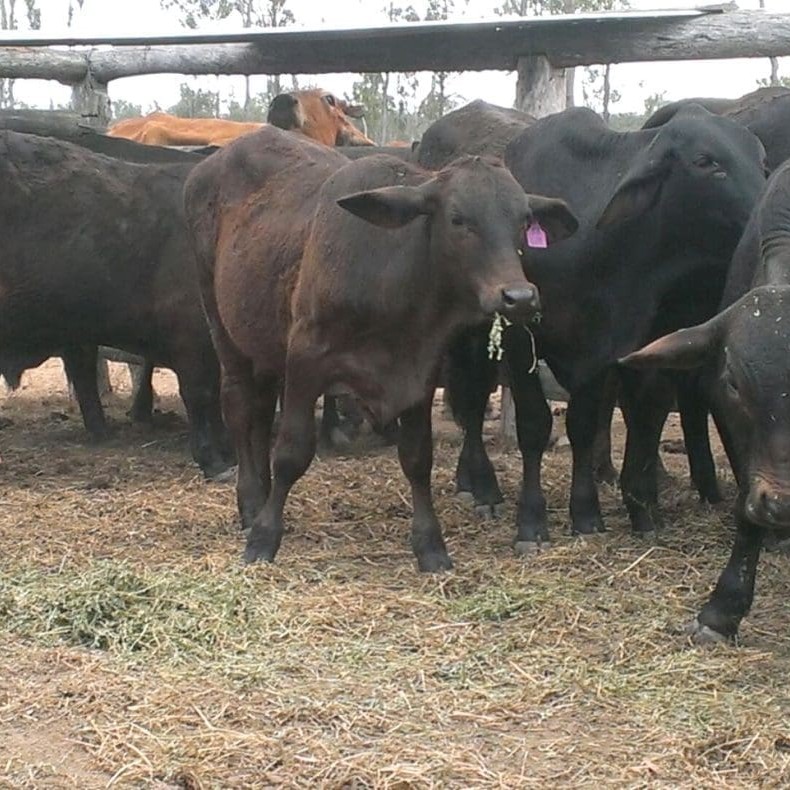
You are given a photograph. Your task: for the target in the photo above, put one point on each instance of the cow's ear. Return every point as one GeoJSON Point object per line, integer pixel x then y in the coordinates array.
{"type": "Point", "coordinates": [388, 207]}
{"type": "Point", "coordinates": [352, 110]}
{"type": "Point", "coordinates": [639, 189]}
{"type": "Point", "coordinates": [554, 216]}
{"type": "Point", "coordinates": [681, 350]}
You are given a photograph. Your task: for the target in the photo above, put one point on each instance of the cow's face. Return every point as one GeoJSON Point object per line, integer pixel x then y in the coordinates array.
{"type": "Point", "coordinates": [745, 350]}
{"type": "Point", "coordinates": [702, 173]}
{"type": "Point", "coordinates": [477, 215]}
{"type": "Point", "coordinates": [320, 115]}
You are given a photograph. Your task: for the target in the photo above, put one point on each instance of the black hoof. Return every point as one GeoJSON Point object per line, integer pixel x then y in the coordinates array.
{"type": "Point", "coordinates": [256, 551]}
{"type": "Point", "coordinates": [489, 512]}
{"type": "Point", "coordinates": [704, 635]}
{"type": "Point", "coordinates": [528, 548]}
{"type": "Point", "coordinates": [644, 524]}
{"type": "Point", "coordinates": [711, 496]}
{"type": "Point", "coordinates": [606, 474]}
{"type": "Point", "coordinates": [220, 474]}
{"type": "Point", "coordinates": [467, 497]}
{"type": "Point", "coordinates": [588, 526]}
{"type": "Point", "coordinates": [434, 562]}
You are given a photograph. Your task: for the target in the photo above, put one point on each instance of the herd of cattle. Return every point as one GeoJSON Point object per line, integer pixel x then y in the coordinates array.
{"type": "Point", "coordinates": [279, 262]}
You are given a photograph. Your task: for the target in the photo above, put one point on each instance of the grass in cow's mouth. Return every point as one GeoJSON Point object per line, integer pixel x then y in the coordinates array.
{"type": "Point", "coordinates": [136, 650]}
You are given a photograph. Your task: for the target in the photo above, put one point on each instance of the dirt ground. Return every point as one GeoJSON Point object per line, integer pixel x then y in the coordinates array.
{"type": "Point", "coordinates": [137, 651]}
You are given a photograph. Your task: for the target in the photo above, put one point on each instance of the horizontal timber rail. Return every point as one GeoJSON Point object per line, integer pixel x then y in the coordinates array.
{"type": "Point", "coordinates": [472, 46]}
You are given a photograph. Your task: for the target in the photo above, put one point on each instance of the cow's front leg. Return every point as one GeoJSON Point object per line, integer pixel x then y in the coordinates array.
{"type": "Point", "coordinates": [471, 376]}
{"type": "Point", "coordinates": [415, 451]}
{"type": "Point", "coordinates": [533, 427]}
{"type": "Point", "coordinates": [720, 617]}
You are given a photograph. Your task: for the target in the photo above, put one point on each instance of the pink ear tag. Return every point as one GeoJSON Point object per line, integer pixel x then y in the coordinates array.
{"type": "Point", "coordinates": [536, 237]}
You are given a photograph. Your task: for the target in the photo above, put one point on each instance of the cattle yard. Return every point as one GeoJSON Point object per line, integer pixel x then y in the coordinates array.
{"type": "Point", "coordinates": [136, 650]}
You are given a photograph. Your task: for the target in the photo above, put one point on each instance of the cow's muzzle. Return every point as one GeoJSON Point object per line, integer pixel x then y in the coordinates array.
{"type": "Point", "coordinates": [520, 304]}
{"type": "Point", "coordinates": [768, 504]}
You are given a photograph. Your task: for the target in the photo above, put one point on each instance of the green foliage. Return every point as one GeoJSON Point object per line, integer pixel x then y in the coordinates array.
{"type": "Point", "coordinates": [765, 82]}
{"type": "Point", "coordinates": [392, 109]}
{"type": "Point", "coordinates": [251, 13]}
{"type": "Point", "coordinates": [544, 7]}
{"type": "Point", "coordinates": [196, 103]}
{"type": "Point", "coordinates": [597, 91]}
{"type": "Point", "coordinates": [124, 109]}
{"type": "Point", "coordinates": [254, 109]}
{"type": "Point", "coordinates": [654, 101]}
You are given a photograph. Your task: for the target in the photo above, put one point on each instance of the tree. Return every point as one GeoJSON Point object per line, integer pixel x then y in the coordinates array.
{"type": "Point", "coordinates": [597, 90]}
{"type": "Point", "coordinates": [654, 101]}
{"type": "Point", "coordinates": [196, 103]}
{"type": "Point", "coordinates": [10, 21]}
{"type": "Point", "coordinates": [251, 13]}
{"type": "Point", "coordinates": [438, 102]}
{"type": "Point", "coordinates": [542, 7]}
{"type": "Point", "coordinates": [124, 109]}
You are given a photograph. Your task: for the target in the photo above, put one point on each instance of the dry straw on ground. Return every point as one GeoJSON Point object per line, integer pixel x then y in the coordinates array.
{"type": "Point", "coordinates": [135, 651]}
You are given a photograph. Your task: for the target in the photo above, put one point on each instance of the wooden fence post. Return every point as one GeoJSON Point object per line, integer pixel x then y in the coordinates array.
{"type": "Point", "coordinates": [540, 90]}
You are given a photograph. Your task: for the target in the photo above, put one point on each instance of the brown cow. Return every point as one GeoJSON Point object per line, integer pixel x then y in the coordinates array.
{"type": "Point", "coordinates": [295, 287]}
{"type": "Point", "coordinates": [314, 112]}
{"type": "Point", "coordinates": [319, 115]}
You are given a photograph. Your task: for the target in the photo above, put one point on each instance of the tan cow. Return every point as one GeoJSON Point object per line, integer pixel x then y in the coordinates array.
{"type": "Point", "coordinates": [315, 113]}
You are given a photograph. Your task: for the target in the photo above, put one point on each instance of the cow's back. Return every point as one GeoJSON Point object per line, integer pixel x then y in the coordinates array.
{"type": "Point", "coordinates": [573, 155]}
{"type": "Point", "coordinates": [476, 128]}
{"type": "Point", "coordinates": [249, 207]}
{"type": "Point", "coordinates": [765, 112]}
{"type": "Point", "coordinates": [89, 243]}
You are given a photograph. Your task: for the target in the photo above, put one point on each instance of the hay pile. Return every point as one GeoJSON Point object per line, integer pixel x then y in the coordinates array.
{"type": "Point", "coordinates": [136, 651]}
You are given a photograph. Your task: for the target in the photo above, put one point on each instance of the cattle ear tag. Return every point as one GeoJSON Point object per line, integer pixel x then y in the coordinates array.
{"type": "Point", "coordinates": [536, 237]}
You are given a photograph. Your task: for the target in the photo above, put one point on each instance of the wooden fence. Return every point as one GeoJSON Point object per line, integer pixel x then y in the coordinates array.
{"type": "Point", "coordinates": [538, 49]}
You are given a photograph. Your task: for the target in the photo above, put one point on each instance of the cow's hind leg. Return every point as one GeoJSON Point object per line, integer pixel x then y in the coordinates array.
{"type": "Point", "coordinates": [80, 365]}
{"type": "Point", "coordinates": [293, 453]}
{"type": "Point", "coordinates": [693, 408]}
{"type": "Point", "coordinates": [199, 387]}
{"type": "Point", "coordinates": [471, 376]}
{"type": "Point", "coordinates": [720, 617]}
{"type": "Point", "coordinates": [533, 426]}
{"type": "Point", "coordinates": [249, 412]}
{"type": "Point", "coordinates": [603, 466]}
{"type": "Point", "coordinates": [143, 392]}
{"type": "Point", "coordinates": [415, 451]}
{"type": "Point", "coordinates": [581, 423]}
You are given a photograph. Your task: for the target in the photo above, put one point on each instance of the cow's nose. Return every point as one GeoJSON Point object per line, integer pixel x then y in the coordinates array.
{"type": "Point", "coordinates": [769, 507]}
{"type": "Point", "coordinates": [520, 303]}
{"type": "Point", "coordinates": [775, 508]}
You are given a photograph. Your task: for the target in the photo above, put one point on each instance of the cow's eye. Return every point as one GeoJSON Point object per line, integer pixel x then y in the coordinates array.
{"type": "Point", "coordinates": [705, 162]}
{"type": "Point", "coordinates": [457, 220]}
{"type": "Point", "coordinates": [330, 99]}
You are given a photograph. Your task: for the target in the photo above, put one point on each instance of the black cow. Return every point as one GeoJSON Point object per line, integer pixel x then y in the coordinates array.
{"type": "Point", "coordinates": [661, 211]}
{"type": "Point", "coordinates": [744, 357]}
{"type": "Point", "coordinates": [96, 252]}
{"type": "Point", "coordinates": [475, 128]}
{"type": "Point", "coordinates": [765, 112]}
